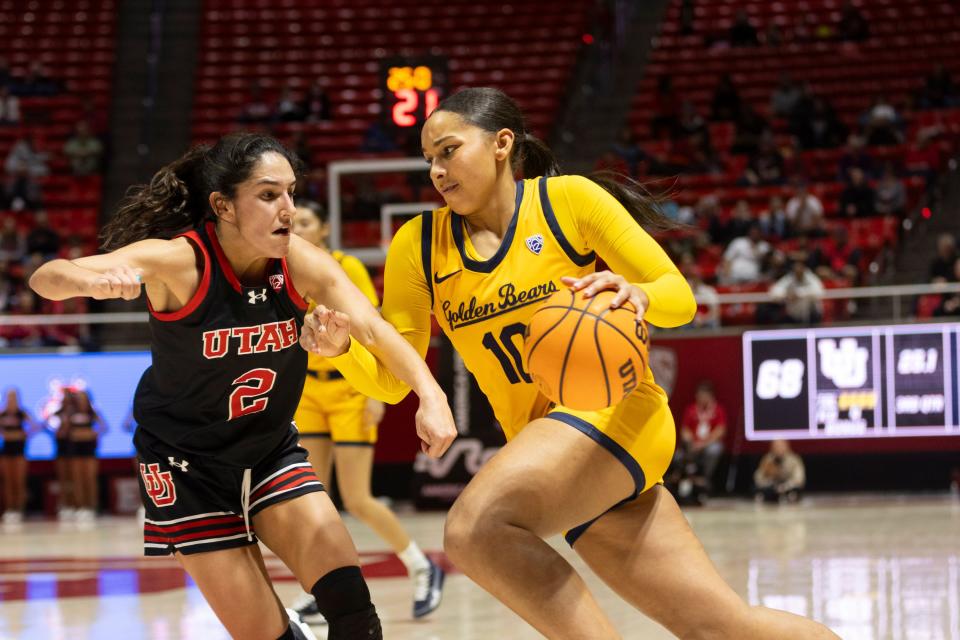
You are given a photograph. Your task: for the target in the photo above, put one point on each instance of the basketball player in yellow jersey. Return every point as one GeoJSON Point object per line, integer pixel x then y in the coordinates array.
{"type": "Point", "coordinates": [339, 424]}
{"type": "Point", "coordinates": [481, 264]}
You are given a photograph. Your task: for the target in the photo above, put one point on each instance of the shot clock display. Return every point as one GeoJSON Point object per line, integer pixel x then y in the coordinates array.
{"type": "Point", "coordinates": [855, 382]}
{"type": "Point", "coordinates": [412, 88]}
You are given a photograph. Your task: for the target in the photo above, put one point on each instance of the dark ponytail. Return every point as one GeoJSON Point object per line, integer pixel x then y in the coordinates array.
{"type": "Point", "coordinates": [492, 110]}
{"type": "Point", "coordinates": [642, 204]}
{"type": "Point", "coordinates": [177, 197]}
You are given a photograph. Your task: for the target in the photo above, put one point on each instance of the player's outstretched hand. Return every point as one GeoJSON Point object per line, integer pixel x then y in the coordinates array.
{"type": "Point", "coordinates": [325, 332]}
{"type": "Point", "coordinates": [119, 282]}
{"type": "Point", "coordinates": [435, 425]}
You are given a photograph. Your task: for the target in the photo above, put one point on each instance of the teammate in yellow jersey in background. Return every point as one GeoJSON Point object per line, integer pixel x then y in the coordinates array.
{"type": "Point", "coordinates": [338, 425]}
{"type": "Point", "coordinates": [481, 264]}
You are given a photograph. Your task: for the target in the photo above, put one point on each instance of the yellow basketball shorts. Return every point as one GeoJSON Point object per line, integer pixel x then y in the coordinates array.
{"type": "Point", "coordinates": [331, 408]}
{"type": "Point", "coordinates": [639, 432]}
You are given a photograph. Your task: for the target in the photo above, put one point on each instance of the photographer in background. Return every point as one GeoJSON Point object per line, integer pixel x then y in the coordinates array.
{"type": "Point", "coordinates": [780, 477]}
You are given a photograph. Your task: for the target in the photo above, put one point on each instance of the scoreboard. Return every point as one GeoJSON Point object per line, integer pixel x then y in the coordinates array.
{"type": "Point", "coordinates": [411, 88]}
{"type": "Point", "coordinates": [851, 382]}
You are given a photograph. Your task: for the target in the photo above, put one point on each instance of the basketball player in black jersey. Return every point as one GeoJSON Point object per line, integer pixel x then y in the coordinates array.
{"type": "Point", "coordinates": [220, 466]}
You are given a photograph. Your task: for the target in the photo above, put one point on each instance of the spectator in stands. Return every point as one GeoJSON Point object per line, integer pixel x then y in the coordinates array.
{"type": "Point", "coordinates": [773, 220]}
{"type": "Point", "coordinates": [703, 428]}
{"type": "Point", "coordinates": [801, 293]}
{"type": "Point", "coordinates": [256, 110]}
{"type": "Point", "coordinates": [837, 257]}
{"type": "Point", "coordinates": [941, 267]}
{"type": "Point", "coordinates": [37, 82]}
{"type": "Point", "coordinates": [301, 146]}
{"type": "Point", "coordinates": [857, 198]}
{"type": "Point", "coordinates": [781, 476]}
{"type": "Point", "coordinates": [287, 109]}
{"type": "Point", "coordinates": [708, 303]}
{"type": "Point", "coordinates": [938, 90]}
{"type": "Point", "coordinates": [744, 256]}
{"type": "Point", "coordinates": [765, 167]}
{"type": "Point", "coordinates": [9, 107]}
{"type": "Point", "coordinates": [738, 225]}
{"type": "Point", "coordinates": [751, 127]}
{"type": "Point", "coordinates": [794, 164]}
{"type": "Point", "coordinates": [742, 31]}
{"type": "Point", "coordinates": [923, 159]}
{"type": "Point", "coordinates": [853, 27]}
{"type": "Point", "coordinates": [890, 194]}
{"type": "Point", "coordinates": [666, 106]}
{"type": "Point", "coordinates": [773, 35]}
{"type": "Point", "coordinates": [6, 78]}
{"type": "Point", "coordinates": [42, 239]}
{"type": "Point", "coordinates": [785, 96]}
{"type": "Point", "coordinates": [13, 241]}
{"type": "Point", "coordinates": [690, 121]}
{"type": "Point", "coordinates": [805, 211]}
{"type": "Point", "coordinates": [25, 164]}
{"type": "Point", "coordinates": [950, 303]}
{"type": "Point", "coordinates": [725, 106]}
{"type": "Point", "coordinates": [687, 17]}
{"type": "Point", "coordinates": [881, 123]}
{"type": "Point", "coordinates": [316, 104]}
{"type": "Point", "coordinates": [377, 138]}
{"type": "Point", "coordinates": [822, 128]}
{"type": "Point", "coordinates": [84, 151]}
{"type": "Point", "coordinates": [629, 150]}
{"type": "Point", "coordinates": [855, 155]}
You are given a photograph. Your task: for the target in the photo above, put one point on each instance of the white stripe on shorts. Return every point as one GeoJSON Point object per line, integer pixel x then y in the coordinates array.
{"type": "Point", "coordinates": [208, 540]}
{"type": "Point", "coordinates": [280, 493]}
{"type": "Point", "coordinates": [202, 515]}
{"type": "Point", "coordinates": [277, 473]}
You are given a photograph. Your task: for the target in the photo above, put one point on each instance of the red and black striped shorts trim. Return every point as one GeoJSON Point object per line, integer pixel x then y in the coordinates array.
{"type": "Point", "coordinates": [286, 483]}
{"type": "Point", "coordinates": [195, 534]}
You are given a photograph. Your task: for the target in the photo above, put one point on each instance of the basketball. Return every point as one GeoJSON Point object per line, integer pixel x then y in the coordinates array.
{"type": "Point", "coordinates": [583, 354]}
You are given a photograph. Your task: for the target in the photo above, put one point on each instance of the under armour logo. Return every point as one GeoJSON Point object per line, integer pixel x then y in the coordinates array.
{"type": "Point", "coordinates": [255, 297]}
{"type": "Point", "coordinates": [182, 465]}
{"type": "Point", "coordinates": [158, 484]}
{"type": "Point", "coordinates": [276, 281]}
{"type": "Point", "coordinates": [535, 243]}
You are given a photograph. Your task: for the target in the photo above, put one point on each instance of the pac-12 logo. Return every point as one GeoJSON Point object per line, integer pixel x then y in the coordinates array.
{"type": "Point", "coordinates": [276, 281]}
{"type": "Point", "coordinates": [158, 484]}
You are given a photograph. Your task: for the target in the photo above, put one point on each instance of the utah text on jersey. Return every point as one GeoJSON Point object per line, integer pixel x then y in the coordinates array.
{"type": "Point", "coordinates": [272, 336]}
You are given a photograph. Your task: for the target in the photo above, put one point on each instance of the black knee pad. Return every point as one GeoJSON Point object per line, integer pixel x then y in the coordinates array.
{"type": "Point", "coordinates": [344, 600]}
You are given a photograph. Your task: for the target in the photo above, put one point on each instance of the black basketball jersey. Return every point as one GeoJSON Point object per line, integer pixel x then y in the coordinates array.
{"type": "Point", "coordinates": [12, 421]}
{"type": "Point", "coordinates": [227, 368]}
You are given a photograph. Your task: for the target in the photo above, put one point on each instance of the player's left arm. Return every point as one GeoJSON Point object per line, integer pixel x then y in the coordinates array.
{"type": "Point", "coordinates": [641, 270]}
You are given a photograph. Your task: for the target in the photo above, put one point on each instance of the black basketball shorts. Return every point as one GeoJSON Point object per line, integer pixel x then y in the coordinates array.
{"type": "Point", "coordinates": [194, 505]}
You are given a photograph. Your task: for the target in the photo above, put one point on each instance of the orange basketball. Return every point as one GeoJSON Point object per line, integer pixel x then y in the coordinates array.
{"type": "Point", "coordinates": [583, 354]}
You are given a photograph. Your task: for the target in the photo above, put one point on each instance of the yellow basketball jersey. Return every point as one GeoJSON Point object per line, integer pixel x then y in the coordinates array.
{"type": "Point", "coordinates": [483, 306]}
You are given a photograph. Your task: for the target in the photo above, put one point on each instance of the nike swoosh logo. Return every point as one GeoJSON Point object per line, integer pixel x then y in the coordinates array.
{"type": "Point", "coordinates": [437, 278]}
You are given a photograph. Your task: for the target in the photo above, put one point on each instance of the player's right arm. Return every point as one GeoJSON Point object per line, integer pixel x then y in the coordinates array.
{"type": "Point", "coordinates": [168, 268]}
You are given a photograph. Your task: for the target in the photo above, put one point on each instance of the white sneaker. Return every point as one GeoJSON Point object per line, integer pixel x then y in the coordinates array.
{"type": "Point", "coordinates": [12, 517]}
{"type": "Point", "coordinates": [301, 625]}
{"type": "Point", "coordinates": [427, 589]}
{"type": "Point", "coordinates": [305, 606]}
{"type": "Point", "coordinates": [66, 514]}
{"type": "Point", "coordinates": [86, 515]}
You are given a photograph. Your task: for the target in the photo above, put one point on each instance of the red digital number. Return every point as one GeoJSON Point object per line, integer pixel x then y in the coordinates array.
{"type": "Point", "coordinates": [403, 110]}
{"type": "Point", "coordinates": [430, 101]}
{"type": "Point", "coordinates": [244, 400]}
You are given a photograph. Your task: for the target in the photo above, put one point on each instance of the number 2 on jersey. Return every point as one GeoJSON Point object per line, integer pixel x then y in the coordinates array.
{"type": "Point", "coordinates": [248, 397]}
{"type": "Point", "coordinates": [513, 370]}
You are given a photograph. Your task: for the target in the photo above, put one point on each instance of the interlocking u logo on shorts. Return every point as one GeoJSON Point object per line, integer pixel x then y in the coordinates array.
{"type": "Point", "coordinates": [158, 484]}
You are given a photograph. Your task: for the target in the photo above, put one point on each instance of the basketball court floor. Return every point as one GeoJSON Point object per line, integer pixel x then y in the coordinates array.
{"type": "Point", "coordinates": [872, 568]}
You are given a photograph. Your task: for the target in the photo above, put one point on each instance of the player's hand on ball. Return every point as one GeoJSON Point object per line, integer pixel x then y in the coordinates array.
{"type": "Point", "coordinates": [435, 425]}
{"type": "Point", "coordinates": [593, 283]}
{"type": "Point", "coordinates": [325, 332]}
{"type": "Point", "coordinates": [120, 282]}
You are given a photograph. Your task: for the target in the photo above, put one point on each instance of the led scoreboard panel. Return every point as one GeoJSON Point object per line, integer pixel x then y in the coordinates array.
{"type": "Point", "coordinates": [854, 382]}
{"type": "Point", "coordinates": [412, 88]}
